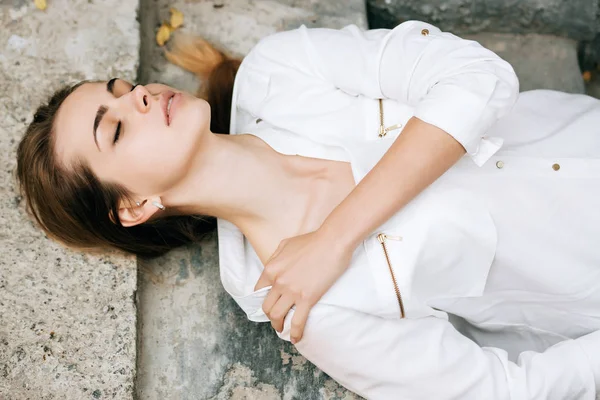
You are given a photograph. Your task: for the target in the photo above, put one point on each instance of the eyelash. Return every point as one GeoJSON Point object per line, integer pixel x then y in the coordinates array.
{"type": "Point", "coordinates": [118, 131]}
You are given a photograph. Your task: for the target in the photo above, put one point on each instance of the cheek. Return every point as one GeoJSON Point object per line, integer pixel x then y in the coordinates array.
{"type": "Point", "coordinates": [155, 162]}
{"type": "Point", "coordinates": [152, 158]}
{"type": "Point", "coordinates": [152, 169]}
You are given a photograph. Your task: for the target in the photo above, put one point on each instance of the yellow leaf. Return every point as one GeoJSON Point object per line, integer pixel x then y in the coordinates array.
{"type": "Point", "coordinates": [40, 4]}
{"type": "Point", "coordinates": [587, 76]}
{"type": "Point", "coordinates": [163, 34]}
{"type": "Point", "coordinates": [176, 18]}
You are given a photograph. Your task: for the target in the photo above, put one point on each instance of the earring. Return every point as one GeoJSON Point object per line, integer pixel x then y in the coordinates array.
{"type": "Point", "coordinates": [158, 205]}
{"type": "Point", "coordinates": [137, 203]}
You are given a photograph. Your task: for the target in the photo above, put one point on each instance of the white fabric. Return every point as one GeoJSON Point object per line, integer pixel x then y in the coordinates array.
{"type": "Point", "coordinates": [499, 266]}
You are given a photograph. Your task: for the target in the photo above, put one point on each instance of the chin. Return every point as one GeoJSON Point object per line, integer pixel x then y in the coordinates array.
{"type": "Point", "coordinates": [203, 115]}
{"type": "Point", "coordinates": [194, 115]}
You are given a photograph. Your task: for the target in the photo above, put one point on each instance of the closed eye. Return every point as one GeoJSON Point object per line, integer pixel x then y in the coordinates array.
{"type": "Point", "coordinates": [118, 131]}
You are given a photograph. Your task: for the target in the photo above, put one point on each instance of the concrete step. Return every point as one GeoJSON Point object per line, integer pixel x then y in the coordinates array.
{"type": "Point", "coordinates": [194, 341]}
{"type": "Point", "coordinates": [576, 19]}
{"type": "Point", "coordinates": [593, 88]}
{"type": "Point", "coordinates": [540, 61]}
{"type": "Point", "coordinates": [67, 320]}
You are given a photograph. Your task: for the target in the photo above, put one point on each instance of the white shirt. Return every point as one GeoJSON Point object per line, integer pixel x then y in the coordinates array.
{"type": "Point", "coordinates": [463, 251]}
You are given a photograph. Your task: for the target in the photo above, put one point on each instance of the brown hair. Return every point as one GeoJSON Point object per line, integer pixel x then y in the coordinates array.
{"type": "Point", "coordinates": [74, 207]}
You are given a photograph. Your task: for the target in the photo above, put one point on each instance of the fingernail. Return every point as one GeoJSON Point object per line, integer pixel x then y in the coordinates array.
{"type": "Point", "coordinates": [293, 340]}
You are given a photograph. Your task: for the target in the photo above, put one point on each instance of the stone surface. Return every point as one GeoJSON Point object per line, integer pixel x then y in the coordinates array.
{"type": "Point", "coordinates": [593, 88]}
{"type": "Point", "coordinates": [194, 341]}
{"type": "Point", "coordinates": [577, 19]}
{"type": "Point", "coordinates": [235, 26]}
{"type": "Point", "coordinates": [67, 320]}
{"type": "Point", "coordinates": [540, 61]}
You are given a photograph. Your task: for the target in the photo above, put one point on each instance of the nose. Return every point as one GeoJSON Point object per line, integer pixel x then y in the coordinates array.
{"type": "Point", "coordinates": [141, 98]}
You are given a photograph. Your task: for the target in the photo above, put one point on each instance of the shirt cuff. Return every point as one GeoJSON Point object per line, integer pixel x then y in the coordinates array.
{"type": "Point", "coordinates": [464, 114]}
{"type": "Point", "coordinates": [487, 146]}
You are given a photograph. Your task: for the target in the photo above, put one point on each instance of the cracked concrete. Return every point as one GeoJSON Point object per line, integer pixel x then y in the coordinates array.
{"type": "Point", "coordinates": [67, 320]}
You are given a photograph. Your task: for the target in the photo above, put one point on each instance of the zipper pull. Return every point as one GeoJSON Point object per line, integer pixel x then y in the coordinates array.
{"type": "Point", "coordinates": [393, 127]}
{"type": "Point", "coordinates": [382, 236]}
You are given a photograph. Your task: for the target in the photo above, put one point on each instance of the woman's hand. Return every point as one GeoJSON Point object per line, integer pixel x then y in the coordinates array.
{"type": "Point", "coordinates": [301, 270]}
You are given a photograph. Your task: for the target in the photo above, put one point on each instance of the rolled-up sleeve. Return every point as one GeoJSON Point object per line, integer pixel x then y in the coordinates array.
{"type": "Point", "coordinates": [428, 359]}
{"type": "Point", "coordinates": [452, 83]}
{"type": "Point", "coordinates": [455, 84]}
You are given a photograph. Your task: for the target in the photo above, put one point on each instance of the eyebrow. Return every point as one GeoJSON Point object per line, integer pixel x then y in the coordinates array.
{"type": "Point", "coordinates": [102, 110]}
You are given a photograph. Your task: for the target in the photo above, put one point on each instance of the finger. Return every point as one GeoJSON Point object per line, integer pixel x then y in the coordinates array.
{"type": "Point", "coordinates": [263, 281]}
{"type": "Point", "coordinates": [279, 312]}
{"type": "Point", "coordinates": [268, 275]}
{"type": "Point", "coordinates": [272, 298]}
{"type": "Point", "coordinates": [299, 321]}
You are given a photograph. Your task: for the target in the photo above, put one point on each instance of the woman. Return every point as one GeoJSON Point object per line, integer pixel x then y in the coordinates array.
{"type": "Point", "coordinates": [432, 275]}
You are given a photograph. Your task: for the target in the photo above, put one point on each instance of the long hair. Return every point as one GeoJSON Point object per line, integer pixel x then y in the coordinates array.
{"type": "Point", "coordinates": [74, 207]}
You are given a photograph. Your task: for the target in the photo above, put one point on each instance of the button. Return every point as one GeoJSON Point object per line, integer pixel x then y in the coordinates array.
{"type": "Point", "coordinates": [556, 167]}
{"type": "Point", "coordinates": [500, 164]}
{"type": "Point", "coordinates": [258, 120]}
{"type": "Point", "coordinates": [425, 32]}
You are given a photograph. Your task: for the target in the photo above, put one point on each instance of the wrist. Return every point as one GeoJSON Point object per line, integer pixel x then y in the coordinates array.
{"type": "Point", "coordinates": [342, 239]}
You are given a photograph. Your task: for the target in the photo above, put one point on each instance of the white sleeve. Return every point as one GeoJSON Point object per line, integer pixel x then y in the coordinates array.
{"type": "Point", "coordinates": [428, 359]}
{"type": "Point", "coordinates": [453, 83]}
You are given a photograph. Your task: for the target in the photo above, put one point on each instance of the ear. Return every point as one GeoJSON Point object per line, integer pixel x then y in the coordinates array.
{"type": "Point", "coordinates": [132, 214]}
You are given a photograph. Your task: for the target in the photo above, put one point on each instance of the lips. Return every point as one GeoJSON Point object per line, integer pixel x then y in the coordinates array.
{"type": "Point", "coordinates": [164, 102]}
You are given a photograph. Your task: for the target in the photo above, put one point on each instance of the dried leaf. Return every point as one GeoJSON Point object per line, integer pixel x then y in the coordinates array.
{"type": "Point", "coordinates": [587, 76]}
{"type": "Point", "coordinates": [40, 4]}
{"type": "Point", "coordinates": [176, 18]}
{"type": "Point", "coordinates": [163, 34]}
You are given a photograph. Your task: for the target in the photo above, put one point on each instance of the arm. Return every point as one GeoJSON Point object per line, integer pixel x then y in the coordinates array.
{"type": "Point", "coordinates": [420, 155]}
{"type": "Point", "coordinates": [458, 89]}
{"type": "Point", "coordinates": [428, 359]}
{"type": "Point", "coordinates": [452, 83]}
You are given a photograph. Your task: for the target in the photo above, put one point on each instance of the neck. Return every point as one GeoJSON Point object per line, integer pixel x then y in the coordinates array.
{"type": "Point", "coordinates": [241, 179]}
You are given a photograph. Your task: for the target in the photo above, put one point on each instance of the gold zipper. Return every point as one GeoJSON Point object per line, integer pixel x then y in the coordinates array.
{"type": "Point", "coordinates": [382, 237]}
{"type": "Point", "coordinates": [382, 129]}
